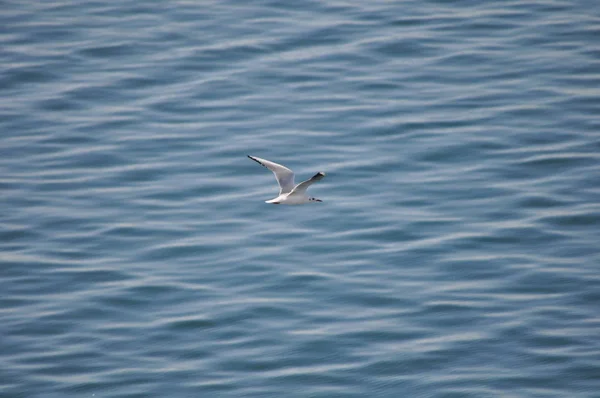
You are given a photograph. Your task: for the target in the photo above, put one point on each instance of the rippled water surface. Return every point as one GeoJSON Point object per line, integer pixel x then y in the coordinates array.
{"type": "Point", "coordinates": [456, 252]}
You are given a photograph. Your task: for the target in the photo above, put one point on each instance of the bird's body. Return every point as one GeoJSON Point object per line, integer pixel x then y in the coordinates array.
{"type": "Point", "coordinates": [289, 194]}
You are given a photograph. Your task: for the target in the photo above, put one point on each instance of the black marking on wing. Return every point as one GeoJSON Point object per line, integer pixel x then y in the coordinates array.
{"type": "Point", "coordinates": [257, 161]}
{"type": "Point", "coordinates": [318, 176]}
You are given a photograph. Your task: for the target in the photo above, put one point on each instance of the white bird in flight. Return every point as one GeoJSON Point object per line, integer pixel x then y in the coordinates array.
{"type": "Point", "coordinates": [289, 194]}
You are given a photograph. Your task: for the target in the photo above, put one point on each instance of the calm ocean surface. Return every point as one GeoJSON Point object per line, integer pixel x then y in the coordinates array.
{"type": "Point", "coordinates": [456, 252]}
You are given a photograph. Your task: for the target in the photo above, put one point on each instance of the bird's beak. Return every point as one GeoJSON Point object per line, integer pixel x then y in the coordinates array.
{"type": "Point", "coordinates": [318, 200]}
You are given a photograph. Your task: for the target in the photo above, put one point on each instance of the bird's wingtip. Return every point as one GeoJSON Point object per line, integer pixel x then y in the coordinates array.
{"type": "Point", "coordinates": [256, 160]}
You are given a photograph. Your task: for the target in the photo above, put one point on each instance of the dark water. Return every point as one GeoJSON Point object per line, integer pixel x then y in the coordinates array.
{"type": "Point", "coordinates": [456, 253]}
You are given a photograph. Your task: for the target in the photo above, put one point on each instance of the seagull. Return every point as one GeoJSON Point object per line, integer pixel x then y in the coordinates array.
{"type": "Point", "coordinates": [289, 194]}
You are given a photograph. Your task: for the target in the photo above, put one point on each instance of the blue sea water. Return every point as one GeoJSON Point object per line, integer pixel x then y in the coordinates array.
{"type": "Point", "coordinates": [456, 252]}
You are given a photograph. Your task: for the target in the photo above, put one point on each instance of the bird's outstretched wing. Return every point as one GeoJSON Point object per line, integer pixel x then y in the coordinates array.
{"type": "Point", "coordinates": [284, 176]}
{"type": "Point", "coordinates": [301, 188]}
